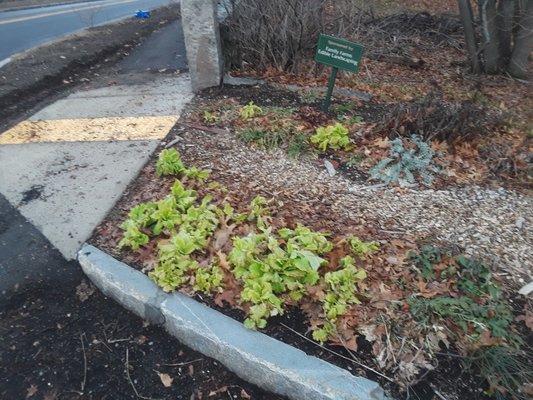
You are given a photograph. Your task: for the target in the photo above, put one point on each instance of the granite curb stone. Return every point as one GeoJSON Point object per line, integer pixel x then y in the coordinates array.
{"type": "Point", "coordinates": [255, 357]}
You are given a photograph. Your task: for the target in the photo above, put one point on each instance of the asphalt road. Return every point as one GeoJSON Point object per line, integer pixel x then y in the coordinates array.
{"type": "Point", "coordinates": [23, 29]}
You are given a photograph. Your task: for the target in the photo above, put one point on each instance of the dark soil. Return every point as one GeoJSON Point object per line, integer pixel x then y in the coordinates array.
{"type": "Point", "coordinates": [45, 73]}
{"type": "Point", "coordinates": [53, 345]}
{"type": "Point", "coordinates": [60, 338]}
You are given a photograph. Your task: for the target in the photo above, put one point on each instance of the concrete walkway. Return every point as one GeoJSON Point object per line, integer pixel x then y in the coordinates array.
{"type": "Point", "coordinates": [66, 166]}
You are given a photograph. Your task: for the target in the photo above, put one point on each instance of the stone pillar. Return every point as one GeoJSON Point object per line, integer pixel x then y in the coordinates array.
{"type": "Point", "coordinates": [202, 43]}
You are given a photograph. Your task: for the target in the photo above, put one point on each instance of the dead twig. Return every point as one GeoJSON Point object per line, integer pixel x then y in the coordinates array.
{"type": "Point", "coordinates": [127, 366]}
{"type": "Point", "coordinates": [338, 354]}
{"type": "Point", "coordinates": [182, 363]}
{"type": "Point", "coordinates": [439, 395]}
{"type": "Point", "coordinates": [204, 128]}
{"type": "Point", "coordinates": [111, 341]}
{"type": "Point", "coordinates": [84, 363]}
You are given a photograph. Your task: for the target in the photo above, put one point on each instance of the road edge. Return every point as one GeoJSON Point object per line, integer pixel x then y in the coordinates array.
{"type": "Point", "coordinates": [254, 356]}
{"type": "Point", "coordinates": [18, 101]}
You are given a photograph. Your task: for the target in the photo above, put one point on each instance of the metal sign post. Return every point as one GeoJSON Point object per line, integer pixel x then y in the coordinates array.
{"type": "Point", "coordinates": [339, 54]}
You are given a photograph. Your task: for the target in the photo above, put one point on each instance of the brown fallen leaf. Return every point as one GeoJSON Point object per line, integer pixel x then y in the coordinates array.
{"type": "Point", "coordinates": [527, 318]}
{"type": "Point", "coordinates": [166, 380]}
{"type": "Point", "coordinates": [222, 236]}
{"type": "Point", "coordinates": [52, 395]}
{"type": "Point", "coordinates": [226, 296]}
{"type": "Point", "coordinates": [217, 391]}
{"type": "Point", "coordinates": [31, 391]}
{"type": "Point", "coordinates": [382, 143]}
{"type": "Point", "coordinates": [245, 395]}
{"type": "Point", "coordinates": [84, 290]}
{"type": "Point", "coordinates": [528, 388]}
{"type": "Point", "coordinates": [141, 339]}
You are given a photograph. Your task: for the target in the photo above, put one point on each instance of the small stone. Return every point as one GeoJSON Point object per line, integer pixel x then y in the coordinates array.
{"type": "Point", "coordinates": [330, 168]}
{"type": "Point", "coordinates": [526, 290]}
{"type": "Point", "coordinates": [520, 222]}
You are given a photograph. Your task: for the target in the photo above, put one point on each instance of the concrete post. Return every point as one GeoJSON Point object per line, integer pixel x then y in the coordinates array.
{"type": "Point", "coordinates": [202, 43]}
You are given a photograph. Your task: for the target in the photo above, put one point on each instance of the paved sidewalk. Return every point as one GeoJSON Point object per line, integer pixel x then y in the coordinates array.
{"type": "Point", "coordinates": [65, 167]}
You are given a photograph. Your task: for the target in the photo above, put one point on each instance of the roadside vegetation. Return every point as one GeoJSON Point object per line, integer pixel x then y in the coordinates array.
{"type": "Point", "coordinates": [412, 300]}
{"type": "Point", "coordinates": [409, 302]}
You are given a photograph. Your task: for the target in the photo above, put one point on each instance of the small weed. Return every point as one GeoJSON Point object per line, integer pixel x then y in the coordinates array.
{"type": "Point", "coordinates": [424, 259]}
{"type": "Point", "coordinates": [249, 136]}
{"type": "Point", "coordinates": [279, 111]}
{"type": "Point", "coordinates": [263, 138]}
{"type": "Point", "coordinates": [311, 96]}
{"type": "Point", "coordinates": [250, 111]}
{"type": "Point", "coordinates": [355, 119]}
{"type": "Point", "coordinates": [476, 308]}
{"type": "Point", "coordinates": [299, 146]}
{"type": "Point", "coordinates": [476, 278]}
{"type": "Point", "coordinates": [210, 117]}
{"type": "Point", "coordinates": [506, 370]}
{"type": "Point", "coordinates": [480, 99]}
{"type": "Point", "coordinates": [343, 108]}
{"type": "Point", "coordinates": [356, 159]}
{"type": "Point", "coordinates": [466, 313]}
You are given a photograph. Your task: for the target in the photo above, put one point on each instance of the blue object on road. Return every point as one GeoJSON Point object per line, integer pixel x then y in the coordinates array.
{"type": "Point", "coordinates": [142, 14]}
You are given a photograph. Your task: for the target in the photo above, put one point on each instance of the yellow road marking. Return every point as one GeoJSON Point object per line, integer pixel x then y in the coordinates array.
{"type": "Point", "coordinates": [70, 10]}
{"type": "Point", "coordinates": [89, 129]}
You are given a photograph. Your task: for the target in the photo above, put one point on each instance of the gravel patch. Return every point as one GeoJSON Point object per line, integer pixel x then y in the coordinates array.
{"type": "Point", "coordinates": [493, 224]}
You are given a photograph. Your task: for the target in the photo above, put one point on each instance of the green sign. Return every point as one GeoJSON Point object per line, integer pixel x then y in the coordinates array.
{"type": "Point", "coordinates": [339, 53]}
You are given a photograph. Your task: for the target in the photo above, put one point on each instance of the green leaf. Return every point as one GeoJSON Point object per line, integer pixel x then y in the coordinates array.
{"type": "Point", "coordinates": [169, 163]}
{"type": "Point", "coordinates": [249, 323]}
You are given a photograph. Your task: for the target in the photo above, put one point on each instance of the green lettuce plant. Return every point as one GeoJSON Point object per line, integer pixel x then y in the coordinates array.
{"type": "Point", "coordinates": [361, 249]}
{"type": "Point", "coordinates": [133, 237]}
{"type": "Point", "coordinates": [173, 271]}
{"type": "Point", "coordinates": [340, 293]}
{"type": "Point", "coordinates": [210, 118]}
{"type": "Point", "coordinates": [333, 137]}
{"type": "Point", "coordinates": [271, 266]}
{"type": "Point", "coordinates": [169, 163]}
{"type": "Point", "coordinates": [208, 279]}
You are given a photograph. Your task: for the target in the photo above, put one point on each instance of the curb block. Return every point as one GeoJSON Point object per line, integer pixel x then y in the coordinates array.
{"type": "Point", "coordinates": [255, 357]}
{"type": "Point", "coordinates": [129, 287]}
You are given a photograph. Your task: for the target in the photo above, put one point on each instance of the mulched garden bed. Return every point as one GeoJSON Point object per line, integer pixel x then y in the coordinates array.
{"type": "Point", "coordinates": [377, 339]}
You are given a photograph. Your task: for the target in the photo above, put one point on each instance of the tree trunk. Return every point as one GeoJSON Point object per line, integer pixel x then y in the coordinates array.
{"type": "Point", "coordinates": [467, 18]}
{"type": "Point", "coordinates": [523, 44]}
{"type": "Point", "coordinates": [506, 10]}
{"type": "Point", "coordinates": [489, 29]}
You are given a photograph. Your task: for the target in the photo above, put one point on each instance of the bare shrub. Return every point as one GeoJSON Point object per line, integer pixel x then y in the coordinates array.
{"type": "Point", "coordinates": [278, 33]}
{"type": "Point", "coordinates": [435, 119]}
{"type": "Point", "coordinates": [283, 33]}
